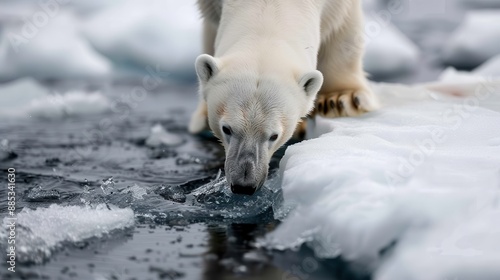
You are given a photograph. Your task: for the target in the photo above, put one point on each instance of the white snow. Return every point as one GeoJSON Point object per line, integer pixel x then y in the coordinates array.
{"type": "Point", "coordinates": [475, 41]}
{"type": "Point", "coordinates": [26, 98]}
{"type": "Point", "coordinates": [41, 231]}
{"type": "Point", "coordinates": [53, 50]}
{"type": "Point", "coordinates": [388, 51]}
{"type": "Point", "coordinates": [423, 172]}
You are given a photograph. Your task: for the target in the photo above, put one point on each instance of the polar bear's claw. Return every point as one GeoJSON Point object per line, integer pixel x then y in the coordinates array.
{"type": "Point", "coordinates": [346, 103]}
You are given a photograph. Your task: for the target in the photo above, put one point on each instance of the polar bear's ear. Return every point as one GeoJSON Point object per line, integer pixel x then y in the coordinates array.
{"type": "Point", "coordinates": [311, 82]}
{"type": "Point", "coordinates": [206, 67]}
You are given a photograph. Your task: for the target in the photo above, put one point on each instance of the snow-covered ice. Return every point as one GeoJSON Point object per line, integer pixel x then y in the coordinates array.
{"type": "Point", "coordinates": [388, 51]}
{"type": "Point", "coordinates": [42, 231]}
{"type": "Point", "coordinates": [55, 50]}
{"type": "Point", "coordinates": [475, 41]}
{"type": "Point", "coordinates": [422, 175]}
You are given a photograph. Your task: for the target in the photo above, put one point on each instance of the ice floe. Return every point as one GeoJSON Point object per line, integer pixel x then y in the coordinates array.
{"type": "Point", "coordinates": [164, 34]}
{"type": "Point", "coordinates": [475, 41]}
{"type": "Point", "coordinates": [42, 231]}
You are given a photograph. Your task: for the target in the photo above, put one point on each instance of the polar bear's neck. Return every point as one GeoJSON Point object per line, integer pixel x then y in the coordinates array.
{"type": "Point", "coordinates": [279, 35]}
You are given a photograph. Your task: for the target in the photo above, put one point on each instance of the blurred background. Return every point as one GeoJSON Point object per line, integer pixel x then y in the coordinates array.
{"type": "Point", "coordinates": [407, 40]}
{"type": "Point", "coordinates": [98, 93]}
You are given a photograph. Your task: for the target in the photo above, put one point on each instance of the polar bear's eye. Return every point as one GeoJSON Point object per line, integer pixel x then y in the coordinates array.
{"type": "Point", "coordinates": [274, 137]}
{"type": "Point", "coordinates": [226, 130]}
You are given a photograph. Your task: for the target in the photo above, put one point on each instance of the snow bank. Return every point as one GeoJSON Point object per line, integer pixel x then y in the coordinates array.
{"type": "Point", "coordinates": [27, 98]}
{"type": "Point", "coordinates": [55, 50]}
{"type": "Point", "coordinates": [388, 51]}
{"type": "Point", "coordinates": [475, 41]}
{"type": "Point", "coordinates": [41, 231]}
{"type": "Point", "coordinates": [149, 33]}
{"type": "Point", "coordinates": [423, 172]}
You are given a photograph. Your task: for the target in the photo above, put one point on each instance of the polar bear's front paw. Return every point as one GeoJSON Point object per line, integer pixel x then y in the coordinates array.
{"type": "Point", "coordinates": [346, 103]}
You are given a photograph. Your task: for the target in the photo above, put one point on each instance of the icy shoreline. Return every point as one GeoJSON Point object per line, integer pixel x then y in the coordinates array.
{"type": "Point", "coordinates": [423, 172]}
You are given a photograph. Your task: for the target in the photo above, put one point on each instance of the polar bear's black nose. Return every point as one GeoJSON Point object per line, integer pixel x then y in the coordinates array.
{"type": "Point", "coordinates": [239, 189]}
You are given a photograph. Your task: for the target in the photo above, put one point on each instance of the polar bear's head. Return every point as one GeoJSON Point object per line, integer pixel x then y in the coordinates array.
{"type": "Point", "coordinates": [253, 116]}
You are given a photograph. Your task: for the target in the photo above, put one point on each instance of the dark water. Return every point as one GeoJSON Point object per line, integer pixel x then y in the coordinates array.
{"type": "Point", "coordinates": [70, 158]}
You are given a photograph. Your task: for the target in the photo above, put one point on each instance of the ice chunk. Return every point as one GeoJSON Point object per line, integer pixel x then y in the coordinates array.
{"type": "Point", "coordinates": [38, 194]}
{"type": "Point", "coordinates": [155, 34]}
{"type": "Point", "coordinates": [42, 231]}
{"type": "Point", "coordinates": [475, 41]}
{"type": "Point", "coordinates": [388, 51]}
{"type": "Point", "coordinates": [137, 191]}
{"type": "Point", "coordinates": [400, 177]}
{"type": "Point", "coordinates": [490, 68]}
{"type": "Point", "coordinates": [55, 50]}
{"type": "Point", "coordinates": [159, 136]}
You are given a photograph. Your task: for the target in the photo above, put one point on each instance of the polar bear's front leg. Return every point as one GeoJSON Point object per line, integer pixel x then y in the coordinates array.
{"type": "Point", "coordinates": [198, 121]}
{"type": "Point", "coordinates": [345, 90]}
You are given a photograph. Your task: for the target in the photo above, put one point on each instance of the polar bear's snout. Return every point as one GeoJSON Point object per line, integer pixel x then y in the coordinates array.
{"type": "Point", "coordinates": [246, 171]}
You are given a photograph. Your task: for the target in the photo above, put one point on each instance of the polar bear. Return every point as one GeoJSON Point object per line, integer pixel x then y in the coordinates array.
{"type": "Point", "coordinates": [267, 64]}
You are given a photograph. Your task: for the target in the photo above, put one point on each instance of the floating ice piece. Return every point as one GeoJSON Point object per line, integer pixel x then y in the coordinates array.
{"type": "Point", "coordinates": [420, 177]}
{"type": "Point", "coordinates": [57, 106]}
{"type": "Point", "coordinates": [388, 51]}
{"type": "Point", "coordinates": [38, 194]}
{"type": "Point", "coordinates": [490, 68]}
{"type": "Point", "coordinates": [44, 230]}
{"type": "Point", "coordinates": [475, 41]}
{"type": "Point", "coordinates": [159, 136]}
{"type": "Point", "coordinates": [152, 34]}
{"type": "Point", "coordinates": [53, 50]}
{"type": "Point", "coordinates": [27, 98]}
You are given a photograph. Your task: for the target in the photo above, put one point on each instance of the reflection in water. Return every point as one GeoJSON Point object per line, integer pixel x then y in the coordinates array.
{"type": "Point", "coordinates": [230, 254]}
